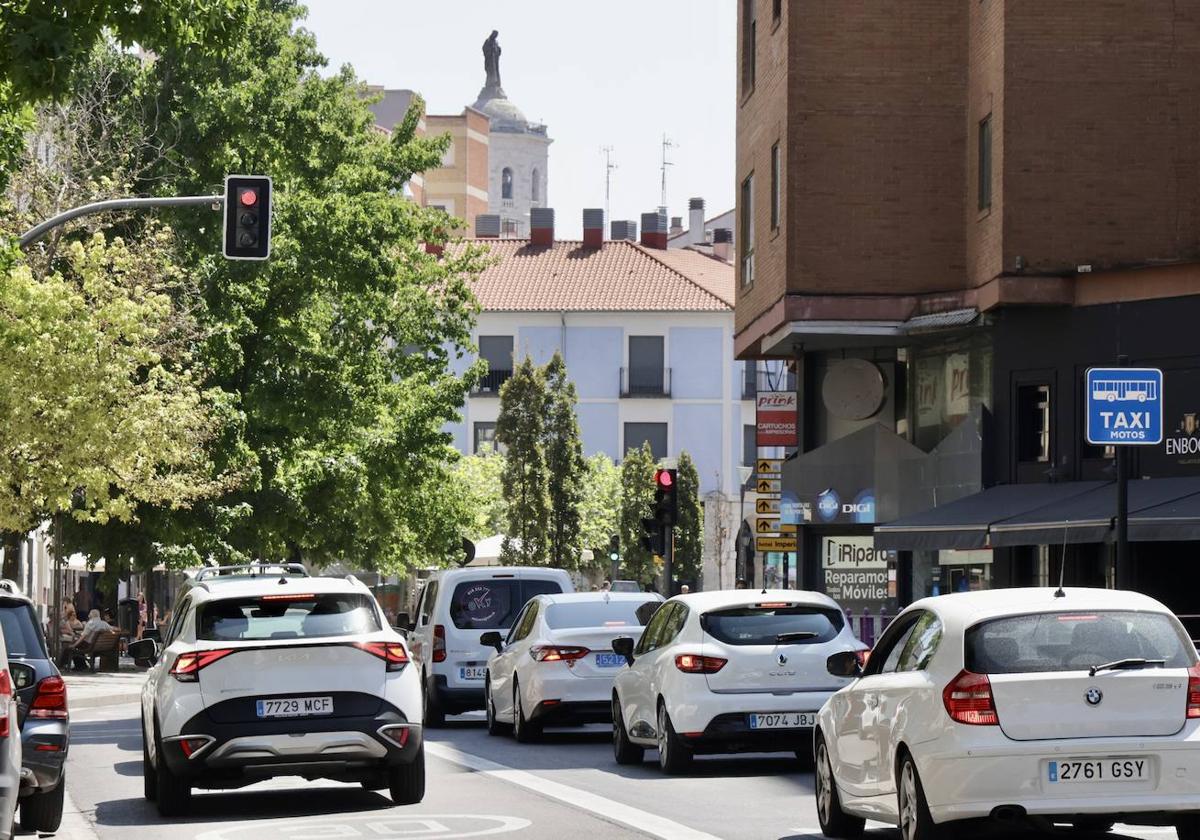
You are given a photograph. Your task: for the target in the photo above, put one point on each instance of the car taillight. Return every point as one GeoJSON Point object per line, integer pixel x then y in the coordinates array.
{"type": "Point", "coordinates": [392, 653]}
{"type": "Point", "coordinates": [439, 643]}
{"type": "Point", "coordinates": [557, 653]}
{"type": "Point", "coordinates": [6, 693]}
{"type": "Point", "coordinates": [968, 699]}
{"type": "Point", "coordinates": [188, 666]}
{"type": "Point", "coordinates": [1193, 697]}
{"type": "Point", "coordinates": [50, 701]}
{"type": "Point", "coordinates": [691, 663]}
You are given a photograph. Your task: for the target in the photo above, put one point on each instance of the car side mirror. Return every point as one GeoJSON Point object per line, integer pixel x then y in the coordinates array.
{"type": "Point", "coordinates": [144, 652]}
{"type": "Point", "coordinates": [492, 638]}
{"type": "Point", "coordinates": [844, 664]}
{"type": "Point", "coordinates": [403, 621]}
{"type": "Point", "coordinates": [623, 646]}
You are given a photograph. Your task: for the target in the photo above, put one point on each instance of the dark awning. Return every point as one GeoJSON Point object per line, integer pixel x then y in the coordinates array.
{"type": "Point", "coordinates": [965, 523]}
{"type": "Point", "coordinates": [1088, 517]}
{"type": "Point", "coordinates": [1177, 519]}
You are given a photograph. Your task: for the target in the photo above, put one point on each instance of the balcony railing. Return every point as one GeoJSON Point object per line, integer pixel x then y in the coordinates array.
{"type": "Point", "coordinates": [761, 380]}
{"type": "Point", "coordinates": [645, 382]}
{"type": "Point", "coordinates": [489, 384]}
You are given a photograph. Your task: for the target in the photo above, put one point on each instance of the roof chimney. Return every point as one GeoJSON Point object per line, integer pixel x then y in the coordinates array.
{"type": "Point", "coordinates": [541, 226]}
{"type": "Point", "coordinates": [695, 221]}
{"type": "Point", "coordinates": [676, 225]}
{"type": "Point", "coordinates": [593, 228]}
{"type": "Point", "coordinates": [487, 226]}
{"type": "Point", "coordinates": [723, 244]}
{"type": "Point", "coordinates": [434, 248]}
{"type": "Point", "coordinates": [624, 230]}
{"type": "Point", "coordinates": [654, 230]}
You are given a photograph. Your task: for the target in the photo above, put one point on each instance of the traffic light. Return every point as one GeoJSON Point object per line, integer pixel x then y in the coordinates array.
{"type": "Point", "coordinates": [247, 217]}
{"type": "Point", "coordinates": [614, 547]}
{"type": "Point", "coordinates": [666, 500]}
{"type": "Point", "coordinates": [652, 538]}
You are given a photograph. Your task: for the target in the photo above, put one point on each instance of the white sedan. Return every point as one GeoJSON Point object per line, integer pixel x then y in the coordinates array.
{"type": "Point", "coordinates": [556, 665]}
{"type": "Point", "coordinates": [1078, 706]}
{"type": "Point", "coordinates": [728, 671]}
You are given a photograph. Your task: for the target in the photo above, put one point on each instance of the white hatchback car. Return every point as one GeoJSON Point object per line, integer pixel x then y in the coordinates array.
{"type": "Point", "coordinates": [556, 665]}
{"type": "Point", "coordinates": [1019, 705]}
{"type": "Point", "coordinates": [728, 671]}
{"type": "Point", "coordinates": [278, 674]}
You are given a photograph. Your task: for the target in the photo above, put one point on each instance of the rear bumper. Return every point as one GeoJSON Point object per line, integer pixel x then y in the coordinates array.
{"type": "Point", "coordinates": [731, 733]}
{"type": "Point", "coordinates": [726, 715]}
{"type": "Point", "coordinates": [458, 699]}
{"type": "Point", "coordinates": [572, 713]}
{"type": "Point", "coordinates": [44, 746]}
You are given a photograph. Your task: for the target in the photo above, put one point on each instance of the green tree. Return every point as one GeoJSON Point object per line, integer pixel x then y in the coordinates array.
{"type": "Point", "coordinates": [478, 483]}
{"type": "Point", "coordinates": [520, 428]}
{"type": "Point", "coordinates": [600, 508]}
{"type": "Point", "coordinates": [565, 467]}
{"type": "Point", "coordinates": [637, 502]}
{"type": "Point", "coordinates": [336, 354]}
{"type": "Point", "coordinates": [688, 562]}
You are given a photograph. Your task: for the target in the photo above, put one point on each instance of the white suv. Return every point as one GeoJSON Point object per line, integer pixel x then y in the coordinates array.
{"type": "Point", "coordinates": [728, 671]}
{"type": "Point", "coordinates": [269, 672]}
{"type": "Point", "coordinates": [456, 606]}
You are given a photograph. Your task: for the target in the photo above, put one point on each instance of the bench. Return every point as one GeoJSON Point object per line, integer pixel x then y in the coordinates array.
{"type": "Point", "coordinates": [105, 642]}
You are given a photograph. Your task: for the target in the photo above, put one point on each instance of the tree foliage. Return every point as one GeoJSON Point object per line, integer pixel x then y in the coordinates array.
{"type": "Point", "coordinates": [637, 503]}
{"type": "Point", "coordinates": [478, 484]}
{"type": "Point", "coordinates": [565, 467]}
{"type": "Point", "coordinates": [600, 508]}
{"type": "Point", "coordinates": [688, 562]}
{"type": "Point", "coordinates": [520, 428]}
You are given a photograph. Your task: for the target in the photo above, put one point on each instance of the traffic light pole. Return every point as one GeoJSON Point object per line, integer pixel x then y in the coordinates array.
{"type": "Point", "coordinates": [668, 558]}
{"type": "Point", "coordinates": [35, 233]}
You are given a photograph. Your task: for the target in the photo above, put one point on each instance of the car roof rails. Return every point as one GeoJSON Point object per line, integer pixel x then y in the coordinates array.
{"type": "Point", "coordinates": [252, 570]}
{"type": "Point", "coordinates": [11, 587]}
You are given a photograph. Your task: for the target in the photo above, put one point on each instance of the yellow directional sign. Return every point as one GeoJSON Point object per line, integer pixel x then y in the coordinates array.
{"type": "Point", "coordinates": [767, 504]}
{"type": "Point", "coordinates": [768, 466]}
{"type": "Point", "coordinates": [768, 485]}
{"type": "Point", "coordinates": [767, 525]}
{"type": "Point", "coordinates": [775, 543]}
{"type": "Point", "coordinates": [788, 528]}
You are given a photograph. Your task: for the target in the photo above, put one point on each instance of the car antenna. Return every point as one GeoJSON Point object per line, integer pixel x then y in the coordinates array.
{"type": "Point", "coordinates": [1062, 567]}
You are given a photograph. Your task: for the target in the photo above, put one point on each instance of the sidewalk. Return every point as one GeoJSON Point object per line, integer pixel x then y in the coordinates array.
{"type": "Point", "coordinates": [86, 691]}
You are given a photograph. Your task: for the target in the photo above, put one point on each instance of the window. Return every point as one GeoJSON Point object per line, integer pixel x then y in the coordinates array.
{"type": "Point", "coordinates": [306, 616]}
{"type": "Point", "coordinates": [985, 163]}
{"type": "Point", "coordinates": [749, 41]}
{"type": "Point", "coordinates": [887, 650]}
{"type": "Point", "coordinates": [536, 191]}
{"type": "Point", "coordinates": [765, 625]}
{"type": "Point", "coordinates": [177, 621]}
{"type": "Point", "coordinates": [497, 351]}
{"type": "Point", "coordinates": [485, 438]}
{"type": "Point", "coordinates": [647, 358]}
{"type": "Point", "coordinates": [1033, 424]}
{"type": "Point", "coordinates": [506, 183]}
{"type": "Point", "coordinates": [776, 10]}
{"type": "Point", "coordinates": [654, 434]}
{"type": "Point", "coordinates": [746, 234]}
{"type": "Point", "coordinates": [21, 636]}
{"type": "Point", "coordinates": [602, 614]}
{"type": "Point", "coordinates": [749, 444]}
{"type": "Point", "coordinates": [776, 187]}
{"type": "Point", "coordinates": [523, 626]}
{"type": "Point", "coordinates": [490, 604]}
{"type": "Point", "coordinates": [653, 635]}
{"type": "Point", "coordinates": [428, 595]}
{"type": "Point", "coordinates": [922, 644]}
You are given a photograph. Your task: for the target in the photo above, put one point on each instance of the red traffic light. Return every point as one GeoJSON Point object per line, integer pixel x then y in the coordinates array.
{"type": "Point", "coordinates": [663, 478]}
{"type": "Point", "coordinates": [248, 198]}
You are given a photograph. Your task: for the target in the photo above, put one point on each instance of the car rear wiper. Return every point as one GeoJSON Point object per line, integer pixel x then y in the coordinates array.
{"type": "Point", "coordinates": [798, 636]}
{"type": "Point", "coordinates": [1123, 664]}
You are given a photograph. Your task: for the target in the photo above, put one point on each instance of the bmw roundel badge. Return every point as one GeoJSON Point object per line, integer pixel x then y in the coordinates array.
{"type": "Point", "coordinates": [1093, 696]}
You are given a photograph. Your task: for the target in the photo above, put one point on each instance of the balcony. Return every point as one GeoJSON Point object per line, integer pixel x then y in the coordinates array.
{"type": "Point", "coordinates": [489, 384]}
{"type": "Point", "coordinates": [645, 382]}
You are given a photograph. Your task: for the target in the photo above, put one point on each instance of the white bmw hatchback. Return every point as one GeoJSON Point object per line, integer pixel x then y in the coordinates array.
{"type": "Point", "coordinates": [556, 665]}
{"type": "Point", "coordinates": [1022, 705]}
{"type": "Point", "coordinates": [728, 671]}
{"type": "Point", "coordinates": [278, 674]}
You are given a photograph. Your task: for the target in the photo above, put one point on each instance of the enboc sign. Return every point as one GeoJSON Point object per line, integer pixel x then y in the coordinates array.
{"type": "Point", "coordinates": [775, 416]}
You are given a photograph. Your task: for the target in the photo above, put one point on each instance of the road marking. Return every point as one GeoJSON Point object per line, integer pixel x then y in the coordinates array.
{"type": "Point", "coordinates": [608, 809]}
{"type": "Point", "coordinates": [428, 826]}
{"type": "Point", "coordinates": [75, 824]}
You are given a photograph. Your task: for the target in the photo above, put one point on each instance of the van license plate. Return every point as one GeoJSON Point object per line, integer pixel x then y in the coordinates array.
{"type": "Point", "coordinates": [295, 707]}
{"type": "Point", "coordinates": [1089, 770]}
{"type": "Point", "coordinates": [477, 672]}
{"type": "Point", "coordinates": [783, 720]}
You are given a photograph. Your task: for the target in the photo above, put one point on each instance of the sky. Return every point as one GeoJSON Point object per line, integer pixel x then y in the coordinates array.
{"type": "Point", "coordinates": [618, 73]}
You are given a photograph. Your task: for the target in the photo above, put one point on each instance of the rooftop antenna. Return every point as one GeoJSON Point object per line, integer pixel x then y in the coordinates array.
{"type": "Point", "coordinates": [667, 143]}
{"type": "Point", "coordinates": [1062, 567]}
{"type": "Point", "coordinates": [609, 166]}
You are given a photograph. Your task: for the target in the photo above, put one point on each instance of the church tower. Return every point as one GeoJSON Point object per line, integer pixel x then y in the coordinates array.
{"type": "Point", "coordinates": [518, 152]}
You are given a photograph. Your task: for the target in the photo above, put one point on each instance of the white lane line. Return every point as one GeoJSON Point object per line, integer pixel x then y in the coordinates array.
{"type": "Point", "coordinates": [609, 809]}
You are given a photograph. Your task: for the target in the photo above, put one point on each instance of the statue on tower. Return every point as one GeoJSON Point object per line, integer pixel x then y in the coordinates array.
{"type": "Point", "coordinates": [491, 60]}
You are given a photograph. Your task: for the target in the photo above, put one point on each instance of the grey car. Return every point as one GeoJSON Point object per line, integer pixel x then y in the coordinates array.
{"type": "Point", "coordinates": [41, 712]}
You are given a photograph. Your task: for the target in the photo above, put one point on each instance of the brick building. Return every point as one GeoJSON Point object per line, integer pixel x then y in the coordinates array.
{"type": "Point", "coordinates": [948, 211]}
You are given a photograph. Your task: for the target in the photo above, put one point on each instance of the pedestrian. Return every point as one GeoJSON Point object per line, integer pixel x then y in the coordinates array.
{"type": "Point", "coordinates": [143, 614]}
{"type": "Point", "coordinates": [741, 584]}
{"type": "Point", "coordinates": [685, 589]}
{"type": "Point", "coordinates": [606, 586]}
{"type": "Point", "coordinates": [83, 598]}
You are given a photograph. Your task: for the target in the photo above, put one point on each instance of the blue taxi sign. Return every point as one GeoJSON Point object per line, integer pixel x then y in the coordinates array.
{"type": "Point", "coordinates": [1124, 406]}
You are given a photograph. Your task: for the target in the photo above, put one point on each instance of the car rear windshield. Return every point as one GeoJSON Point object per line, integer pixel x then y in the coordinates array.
{"type": "Point", "coordinates": [300, 616]}
{"type": "Point", "coordinates": [21, 637]}
{"type": "Point", "coordinates": [598, 614]}
{"type": "Point", "coordinates": [1073, 641]}
{"type": "Point", "coordinates": [765, 625]}
{"type": "Point", "coordinates": [493, 603]}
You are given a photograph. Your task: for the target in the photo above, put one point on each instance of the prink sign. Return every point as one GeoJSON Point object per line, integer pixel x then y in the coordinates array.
{"type": "Point", "coordinates": [831, 508]}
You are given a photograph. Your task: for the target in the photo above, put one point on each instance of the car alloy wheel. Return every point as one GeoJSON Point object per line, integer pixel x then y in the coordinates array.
{"type": "Point", "coordinates": [834, 821]}
{"type": "Point", "coordinates": [824, 782]}
{"type": "Point", "coordinates": [908, 802]}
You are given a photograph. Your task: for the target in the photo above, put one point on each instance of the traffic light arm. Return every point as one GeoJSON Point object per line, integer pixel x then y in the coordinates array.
{"type": "Point", "coordinates": [35, 233]}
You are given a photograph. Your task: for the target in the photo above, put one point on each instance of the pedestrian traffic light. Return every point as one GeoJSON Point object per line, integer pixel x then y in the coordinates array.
{"type": "Point", "coordinates": [652, 538]}
{"type": "Point", "coordinates": [614, 547]}
{"type": "Point", "coordinates": [247, 217]}
{"type": "Point", "coordinates": [666, 499]}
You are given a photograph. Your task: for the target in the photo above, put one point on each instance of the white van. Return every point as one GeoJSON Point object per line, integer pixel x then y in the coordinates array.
{"type": "Point", "coordinates": [455, 608]}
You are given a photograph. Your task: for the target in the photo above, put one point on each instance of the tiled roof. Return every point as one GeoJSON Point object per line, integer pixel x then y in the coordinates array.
{"type": "Point", "coordinates": [619, 277]}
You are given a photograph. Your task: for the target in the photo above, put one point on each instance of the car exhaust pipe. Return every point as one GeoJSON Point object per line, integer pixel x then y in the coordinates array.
{"type": "Point", "coordinates": [1008, 813]}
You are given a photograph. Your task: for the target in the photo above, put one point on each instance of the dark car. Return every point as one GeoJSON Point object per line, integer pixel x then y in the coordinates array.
{"type": "Point", "coordinates": [41, 712]}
